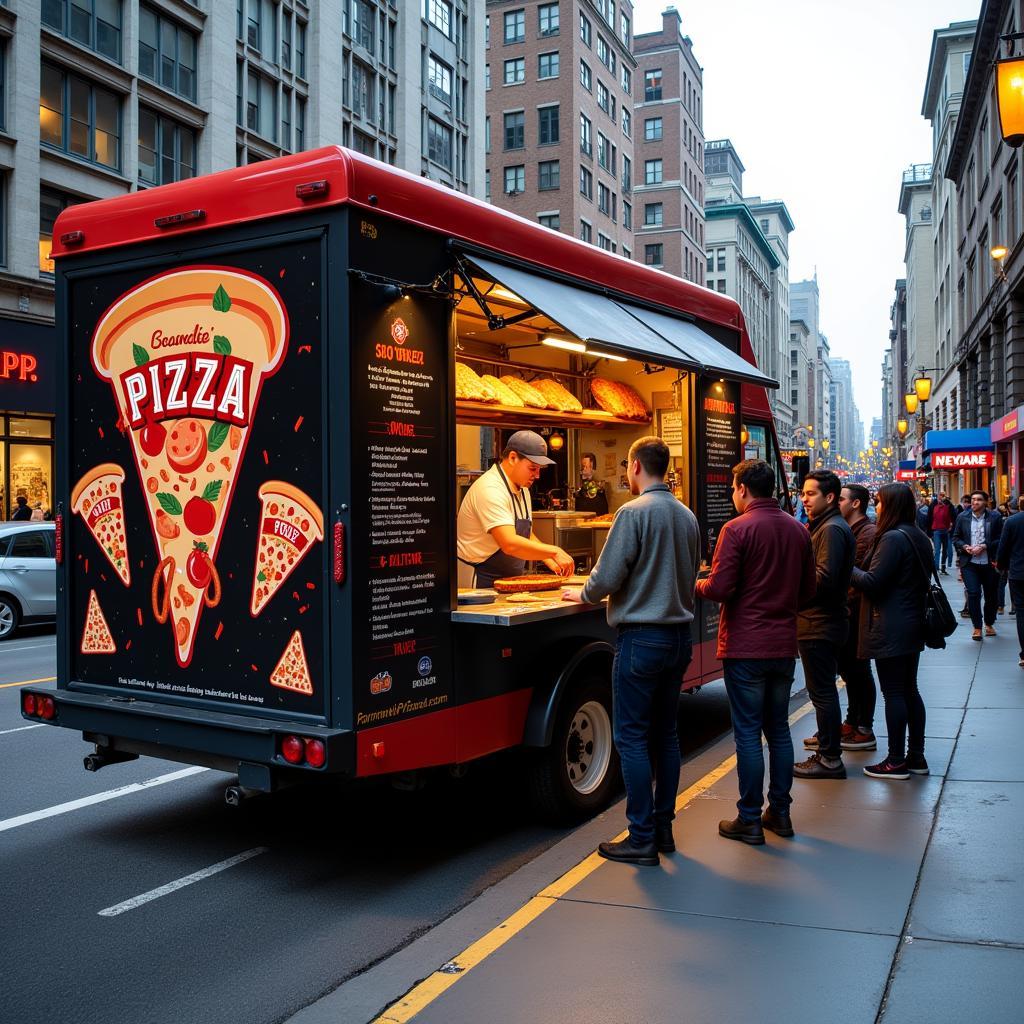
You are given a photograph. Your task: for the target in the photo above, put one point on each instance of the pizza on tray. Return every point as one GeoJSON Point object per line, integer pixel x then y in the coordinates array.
{"type": "Point", "coordinates": [292, 671]}
{"type": "Point", "coordinates": [98, 499]}
{"type": "Point", "coordinates": [290, 523]}
{"type": "Point", "coordinates": [96, 637]}
{"type": "Point", "coordinates": [186, 354]}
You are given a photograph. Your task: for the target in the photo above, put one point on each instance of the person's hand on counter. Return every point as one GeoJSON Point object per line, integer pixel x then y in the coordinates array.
{"type": "Point", "coordinates": [574, 594]}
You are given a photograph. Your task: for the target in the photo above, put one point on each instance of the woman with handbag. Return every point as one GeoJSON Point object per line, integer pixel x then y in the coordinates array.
{"type": "Point", "coordinates": [892, 626]}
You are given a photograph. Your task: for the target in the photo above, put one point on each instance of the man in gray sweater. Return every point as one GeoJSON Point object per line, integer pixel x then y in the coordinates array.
{"type": "Point", "coordinates": [648, 572]}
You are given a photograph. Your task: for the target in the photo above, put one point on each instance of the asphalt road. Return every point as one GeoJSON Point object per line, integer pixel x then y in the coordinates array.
{"type": "Point", "coordinates": [333, 879]}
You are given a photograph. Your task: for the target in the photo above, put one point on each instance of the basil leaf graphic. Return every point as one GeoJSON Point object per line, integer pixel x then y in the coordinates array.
{"type": "Point", "coordinates": [217, 436]}
{"type": "Point", "coordinates": [221, 302]}
{"type": "Point", "coordinates": [169, 503]}
{"type": "Point", "coordinates": [140, 354]}
{"type": "Point", "coordinates": [211, 492]}
{"type": "Point", "coordinates": [221, 345]}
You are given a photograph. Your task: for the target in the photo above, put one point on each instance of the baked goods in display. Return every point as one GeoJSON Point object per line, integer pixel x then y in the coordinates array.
{"type": "Point", "coordinates": [96, 637]}
{"type": "Point", "coordinates": [97, 498]}
{"type": "Point", "coordinates": [558, 396]}
{"type": "Point", "coordinates": [529, 394]}
{"type": "Point", "coordinates": [290, 523]}
{"type": "Point", "coordinates": [292, 671]}
{"type": "Point", "coordinates": [504, 394]}
{"type": "Point", "coordinates": [528, 583]}
{"type": "Point", "coordinates": [469, 387]}
{"type": "Point", "coordinates": [619, 399]}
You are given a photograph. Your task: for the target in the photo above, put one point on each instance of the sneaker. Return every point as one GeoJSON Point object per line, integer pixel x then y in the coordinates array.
{"type": "Point", "coordinates": [944, 571]}
{"type": "Point", "coordinates": [965, 613]}
{"type": "Point", "coordinates": [777, 822]}
{"type": "Point", "coordinates": [1013, 611]}
{"type": "Point", "coordinates": [749, 832]}
{"type": "Point", "coordinates": [847, 729]}
{"type": "Point", "coordinates": [811, 742]}
{"type": "Point", "coordinates": [990, 631]}
{"type": "Point", "coordinates": [859, 741]}
{"type": "Point", "coordinates": [887, 770]}
{"type": "Point", "coordinates": [917, 765]}
{"type": "Point", "coordinates": [999, 610]}
{"type": "Point", "coordinates": [976, 635]}
{"type": "Point", "coordinates": [815, 768]}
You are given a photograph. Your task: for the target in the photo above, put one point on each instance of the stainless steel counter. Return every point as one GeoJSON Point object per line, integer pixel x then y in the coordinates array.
{"type": "Point", "coordinates": [509, 613]}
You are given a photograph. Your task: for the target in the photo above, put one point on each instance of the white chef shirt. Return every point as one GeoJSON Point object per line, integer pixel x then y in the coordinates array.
{"type": "Point", "coordinates": [487, 504]}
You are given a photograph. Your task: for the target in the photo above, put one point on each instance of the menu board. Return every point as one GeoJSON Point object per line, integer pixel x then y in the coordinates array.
{"type": "Point", "coordinates": [402, 602]}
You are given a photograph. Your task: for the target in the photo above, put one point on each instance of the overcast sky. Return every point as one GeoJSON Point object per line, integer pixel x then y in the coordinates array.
{"type": "Point", "coordinates": [822, 100]}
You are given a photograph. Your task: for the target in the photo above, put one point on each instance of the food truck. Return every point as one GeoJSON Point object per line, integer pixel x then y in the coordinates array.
{"type": "Point", "coordinates": [277, 383]}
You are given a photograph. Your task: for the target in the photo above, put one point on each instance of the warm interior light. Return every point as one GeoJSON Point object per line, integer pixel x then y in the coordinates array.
{"type": "Point", "coordinates": [744, 436]}
{"type": "Point", "coordinates": [810, 442]}
{"type": "Point", "coordinates": [923, 388]}
{"type": "Point", "coordinates": [503, 293]}
{"type": "Point", "coordinates": [569, 346]}
{"type": "Point", "coordinates": [997, 252]}
{"type": "Point", "coordinates": [910, 400]}
{"type": "Point", "coordinates": [556, 442]}
{"type": "Point", "coordinates": [1010, 96]}
{"type": "Point", "coordinates": [606, 355]}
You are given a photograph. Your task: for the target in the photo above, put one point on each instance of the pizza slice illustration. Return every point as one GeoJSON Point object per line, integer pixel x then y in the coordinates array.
{"type": "Point", "coordinates": [96, 637]}
{"type": "Point", "coordinates": [186, 354]}
{"type": "Point", "coordinates": [98, 499]}
{"type": "Point", "coordinates": [290, 523]}
{"type": "Point", "coordinates": [292, 671]}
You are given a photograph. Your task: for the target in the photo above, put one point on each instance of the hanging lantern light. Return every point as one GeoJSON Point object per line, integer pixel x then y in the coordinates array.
{"type": "Point", "coordinates": [911, 401]}
{"type": "Point", "coordinates": [902, 426]}
{"type": "Point", "coordinates": [1010, 98]}
{"type": "Point", "coordinates": [923, 388]}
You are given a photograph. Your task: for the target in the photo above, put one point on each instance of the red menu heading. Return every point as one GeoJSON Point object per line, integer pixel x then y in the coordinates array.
{"type": "Point", "coordinates": [18, 366]}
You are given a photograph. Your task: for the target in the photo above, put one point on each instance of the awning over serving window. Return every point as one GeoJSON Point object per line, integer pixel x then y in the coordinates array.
{"type": "Point", "coordinates": [622, 327]}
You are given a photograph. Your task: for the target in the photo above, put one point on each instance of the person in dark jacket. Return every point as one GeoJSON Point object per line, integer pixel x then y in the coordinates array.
{"type": "Point", "coordinates": [22, 513]}
{"type": "Point", "coordinates": [1010, 559]}
{"type": "Point", "coordinates": [823, 623]}
{"type": "Point", "coordinates": [940, 523]}
{"type": "Point", "coordinates": [762, 571]}
{"type": "Point", "coordinates": [858, 729]}
{"type": "Point", "coordinates": [891, 628]}
{"type": "Point", "coordinates": [976, 537]}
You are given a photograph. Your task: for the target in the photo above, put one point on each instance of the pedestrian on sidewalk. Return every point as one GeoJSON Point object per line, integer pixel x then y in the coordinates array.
{"type": "Point", "coordinates": [762, 571]}
{"type": "Point", "coordinates": [823, 623]}
{"type": "Point", "coordinates": [647, 570]}
{"type": "Point", "coordinates": [1010, 559]}
{"type": "Point", "coordinates": [891, 628]}
{"type": "Point", "coordinates": [924, 515]}
{"type": "Point", "coordinates": [975, 535]}
{"type": "Point", "coordinates": [964, 508]}
{"type": "Point", "coordinates": [942, 524]}
{"type": "Point", "coordinates": [858, 729]}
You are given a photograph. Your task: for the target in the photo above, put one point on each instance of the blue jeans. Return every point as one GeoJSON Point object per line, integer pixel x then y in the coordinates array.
{"type": "Point", "coordinates": [943, 547]}
{"type": "Point", "coordinates": [759, 691]}
{"type": "Point", "coordinates": [646, 679]}
{"type": "Point", "coordinates": [981, 579]}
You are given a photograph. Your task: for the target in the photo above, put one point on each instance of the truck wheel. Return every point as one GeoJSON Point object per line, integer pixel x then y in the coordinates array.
{"type": "Point", "coordinates": [8, 617]}
{"type": "Point", "coordinates": [576, 776]}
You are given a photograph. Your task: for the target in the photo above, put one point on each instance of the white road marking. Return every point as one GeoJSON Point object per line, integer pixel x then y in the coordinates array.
{"type": "Point", "coordinates": [180, 883]}
{"type": "Point", "coordinates": [27, 646]}
{"type": "Point", "coordinates": [98, 798]}
{"type": "Point", "coordinates": [21, 728]}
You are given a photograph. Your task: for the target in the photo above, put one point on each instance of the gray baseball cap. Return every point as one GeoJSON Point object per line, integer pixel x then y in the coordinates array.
{"type": "Point", "coordinates": [530, 445]}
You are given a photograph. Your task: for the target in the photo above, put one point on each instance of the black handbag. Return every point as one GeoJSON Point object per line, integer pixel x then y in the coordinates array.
{"type": "Point", "coordinates": [939, 619]}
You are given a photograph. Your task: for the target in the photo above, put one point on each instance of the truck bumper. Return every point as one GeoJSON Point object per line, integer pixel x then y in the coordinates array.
{"type": "Point", "coordinates": [239, 744]}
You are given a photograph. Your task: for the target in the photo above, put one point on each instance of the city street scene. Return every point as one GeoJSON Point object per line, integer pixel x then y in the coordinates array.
{"type": "Point", "coordinates": [511, 512]}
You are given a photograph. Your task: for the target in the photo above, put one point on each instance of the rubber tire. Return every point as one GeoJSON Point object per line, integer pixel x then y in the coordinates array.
{"type": "Point", "coordinates": [552, 794]}
{"type": "Point", "coordinates": [12, 605]}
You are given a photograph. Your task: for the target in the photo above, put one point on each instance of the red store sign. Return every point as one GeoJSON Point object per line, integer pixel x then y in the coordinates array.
{"type": "Point", "coordinates": [962, 460]}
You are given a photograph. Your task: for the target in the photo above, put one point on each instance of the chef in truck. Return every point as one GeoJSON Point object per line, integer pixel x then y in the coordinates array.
{"type": "Point", "coordinates": [495, 525]}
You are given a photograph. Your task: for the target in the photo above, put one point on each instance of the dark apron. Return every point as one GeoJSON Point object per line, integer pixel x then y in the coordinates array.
{"type": "Point", "coordinates": [499, 565]}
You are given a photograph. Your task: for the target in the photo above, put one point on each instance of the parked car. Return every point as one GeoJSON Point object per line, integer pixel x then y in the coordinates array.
{"type": "Point", "coordinates": [28, 575]}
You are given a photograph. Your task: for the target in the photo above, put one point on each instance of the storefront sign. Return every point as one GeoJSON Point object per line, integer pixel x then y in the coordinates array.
{"type": "Point", "coordinates": [962, 460]}
{"type": "Point", "coordinates": [911, 475]}
{"type": "Point", "coordinates": [26, 367]}
{"type": "Point", "coordinates": [793, 453]}
{"type": "Point", "coordinates": [1009, 425]}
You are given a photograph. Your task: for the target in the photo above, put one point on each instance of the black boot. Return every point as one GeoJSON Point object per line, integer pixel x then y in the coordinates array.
{"type": "Point", "coordinates": [749, 832]}
{"type": "Point", "coordinates": [629, 853]}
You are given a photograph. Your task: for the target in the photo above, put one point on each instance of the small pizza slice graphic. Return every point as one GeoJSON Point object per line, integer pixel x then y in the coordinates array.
{"type": "Point", "coordinates": [98, 499]}
{"type": "Point", "coordinates": [289, 525]}
{"type": "Point", "coordinates": [96, 637]}
{"type": "Point", "coordinates": [186, 354]}
{"type": "Point", "coordinates": [292, 671]}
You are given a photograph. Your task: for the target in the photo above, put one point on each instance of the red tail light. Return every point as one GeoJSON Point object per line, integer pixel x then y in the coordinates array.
{"type": "Point", "coordinates": [28, 703]}
{"type": "Point", "coordinates": [292, 749]}
{"type": "Point", "coordinates": [46, 708]}
{"type": "Point", "coordinates": [316, 753]}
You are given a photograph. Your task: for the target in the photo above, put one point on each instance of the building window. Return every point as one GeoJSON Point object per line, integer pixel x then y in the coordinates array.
{"type": "Point", "coordinates": [515, 130]}
{"type": "Point", "coordinates": [652, 172]}
{"type": "Point", "coordinates": [362, 91]}
{"type": "Point", "coordinates": [547, 65]}
{"type": "Point", "coordinates": [585, 30]}
{"type": "Point", "coordinates": [300, 49]}
{"type": "Point", "coordinates": [604, 199]}
{"type": "Point", "coordinates": [586, 231]}
{"type": "Point", "coordinates": [515, 180]}
{"type": "Point", "coordinates": [627, 81]}
{"type": "Point", "coordinates": [625, 29]}
{"type": "Point", "coordinates": [627, 216]}
{"type": "Point", "coordinates": [721, 285]}
{"type": "Point", "coordinates": [261, 106]}
{"type": "Point", "coordinates": [627, 123]}
{"type": "Point", "coordinates": [286, 41]}
{"type": "Point", "coordinates": [167, 150]}
{"type": "Point", "coordinates": [515, 26]}
{"type": "Point", "coordinates": [586, 79]}
{"type": "Point", "coordinates": [363, 23]}
{"type": "Point", "coordinates": [586, 138]}
{"type": "Point", "coordinates": [439, 14]}
{"type": "Point", "coordinates": [547, 18]}
{"type": "Point", "coordinates": [605, 153]}
{"type": "Point", "coordinates": [79, 118]}
{"type": "Point", "coordinates": [550, 220]}
{"type": "Point", "coordinates": [487, 77]}
{"type": "Point", "coordinates": [586, 183]}
{"type": "Point", "coordinates": [93, 23]}
{"type": "Point", "coordinates": [765, 227]}
{"type": "Point", "coordinates": [439, 143]}
{"type": "Point", "coordinates": [654, 214]}
{"type": "Point", "coordinates": [440, 80]}
{"type": "Point", "coordinates": [721, 260]}
{"type": "Point", "coordinates": [548, 175]}
{"type": "Point", "coordinates": [605, 54]}
{"type": "Point", "coordinates": [653, 129]}
{"type": "Point", "coordinates": [711, 267]}
{"type": "Point", "coordinates": [652, 85]}
{"type": "Point", "coordinates": [654, 255]}
{"type": "Point", "coordinates": [603, 97]}
{"type": "Point", "coordinates": [167, 54]}
{"type": "Point", "coordinates": [51, 204]}
{"type": "Point", "coordinates": [3, 85]}
{"type": "Point", "coordinates": [515, 71]}
{"type": "Point", "coordinates": [627, 175]}
{"type": "Point", "coordinates": [549, 133]}
{"type": "Point", "coordinates": [605, 242]}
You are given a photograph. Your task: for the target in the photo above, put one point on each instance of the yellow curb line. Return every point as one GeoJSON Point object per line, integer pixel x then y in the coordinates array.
{"type": "Point", "coordinates": [423, 994]}
{"type": "Point", "coordinates": [28, 682]}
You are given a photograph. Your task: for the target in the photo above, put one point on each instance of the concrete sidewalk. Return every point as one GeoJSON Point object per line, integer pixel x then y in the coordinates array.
{"type": "Point", "coordinates": [896, 901]}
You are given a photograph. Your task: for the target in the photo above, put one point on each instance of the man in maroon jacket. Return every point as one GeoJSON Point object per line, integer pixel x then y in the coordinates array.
{"type": "Point", "coordinates": [763, 570]}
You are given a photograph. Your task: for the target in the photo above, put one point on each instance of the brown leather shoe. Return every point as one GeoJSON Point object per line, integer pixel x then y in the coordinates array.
{"type": "Point", "coordinates": [976, 635]}
{"type": "Point", "coordinates": [990, 631]}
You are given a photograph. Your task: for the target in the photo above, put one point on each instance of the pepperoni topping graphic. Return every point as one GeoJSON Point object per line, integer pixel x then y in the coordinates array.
{"type": "Point", "coordinates": [186, 445]}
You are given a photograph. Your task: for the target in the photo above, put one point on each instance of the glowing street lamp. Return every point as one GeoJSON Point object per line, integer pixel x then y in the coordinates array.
{"type": "Point", "coordinates": [911, 400]}
{"type": "Point", "coordinates": [923, 388]}
{"type": "Point", "coordinates": [1010, 94]}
